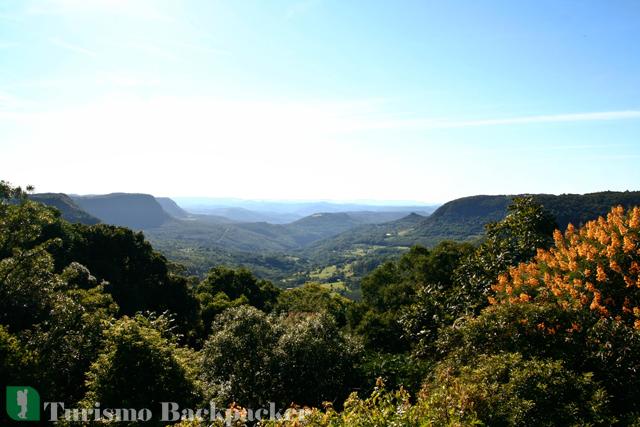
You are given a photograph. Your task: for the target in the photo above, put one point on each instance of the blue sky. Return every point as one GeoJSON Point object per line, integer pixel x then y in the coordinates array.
{"type": "Point", "coordinates": [319, 99]}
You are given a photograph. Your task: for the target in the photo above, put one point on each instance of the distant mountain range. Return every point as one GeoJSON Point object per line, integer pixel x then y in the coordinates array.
{"type": "Point", "coordinates": [238, 228]}
{"type": "Point", "coordinates": [233, 228]}
{"type": "Point", "coordinates": [172, 208]}
{"type": "Point", "coordinates": [351, 241]}
{"type": "Point", "coordinates": [67, 207]}
{"type": "Point", "coordinates": [464, 219]}
{"type": "Point", "coordinates": [137, 211]}
{"type": "Point", "coordinates": [201, 231]}
{"type": "Point", "coordinates": [283, 212]}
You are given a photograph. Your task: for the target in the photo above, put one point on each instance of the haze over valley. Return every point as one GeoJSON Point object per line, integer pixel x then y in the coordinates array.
{"type": "Point", "coordinates": [293, 243]}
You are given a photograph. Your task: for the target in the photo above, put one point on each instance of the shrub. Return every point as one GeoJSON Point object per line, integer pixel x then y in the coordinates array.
{"type": "Point", "coordinates": [140, 366]}
{"type": "Point", "coordinates": [381, 408]}
{"type": "Point", "coordinates": [253, 359]}
{"type": "Point", "coordinates": [508, 390]}
{"type": "Point", "coordinates": [595, 268]}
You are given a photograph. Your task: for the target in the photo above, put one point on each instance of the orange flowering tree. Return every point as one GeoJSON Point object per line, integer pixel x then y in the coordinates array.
{"type": "Point", "coordinates": [596, 267]}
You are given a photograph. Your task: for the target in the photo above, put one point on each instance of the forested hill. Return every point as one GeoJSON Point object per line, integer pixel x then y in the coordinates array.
{"type": "Point", "coordinates": [172, 208]}
{"type": "Point", "coordinates": [137, 211]}
{"type": "Point", "coordinates": [566, 208]}
{"type": "Point", "coordinates": [69, 210]}
{"type": "Point", "coordinates": [464, 219]}
{"type": "Point", "coordinates": [329, 246]}
{"type": "Point", "coordinates": [578, 209]}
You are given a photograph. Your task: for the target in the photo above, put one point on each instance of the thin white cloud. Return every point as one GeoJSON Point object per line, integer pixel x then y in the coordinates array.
{"type": "Point", "coordinates": [572, 117]}
{"type": "Point", "coordinates": [8, 45]}
{"type": "Point", "coordinates": [11, 106]}
{"type": "Point", "coordinates": [523, 120]}
{"type": "Point", "coordinates": [336, 117]}
{"type": "Point", "coordinates": [117, 79]}
{"type": "Point", "coordinates": [300, 8]}
{"type": "Point", "coordinates": [151, 49]}
{"type": "Point", "coordinates": [200, 48]}
{"type": "Point", "coordinates": [140, 9]}
{"type": "Point", "coordinates": [72, 47]}
{"type": "Point", "coordinates": [13, 117]}
{"type": "Point", "coordinates": [11, 17]}
{"type": "Point", "coordinates": [298, 150]}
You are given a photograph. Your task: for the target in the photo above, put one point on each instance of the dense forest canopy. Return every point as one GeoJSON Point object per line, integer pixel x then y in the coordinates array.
{"type": "Point", "coordinates": [526, 326]}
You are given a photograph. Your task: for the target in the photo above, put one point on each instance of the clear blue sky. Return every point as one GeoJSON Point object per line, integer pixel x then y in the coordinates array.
{"type": "Point", "coordinates": [319, 99]}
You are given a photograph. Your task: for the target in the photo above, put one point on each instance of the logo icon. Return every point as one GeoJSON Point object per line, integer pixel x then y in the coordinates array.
{"type": "Point", "coordinates": [23, 403]}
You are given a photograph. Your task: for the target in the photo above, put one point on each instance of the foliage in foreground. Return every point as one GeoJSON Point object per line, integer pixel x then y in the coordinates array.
{"type": "Point", "coordinates": [86, 314]}
{"type": "Point", "coordinates": [256, 359]}
{"type": "Point", "coordinates": [500, 390]}
{"type": "Point", "coordinates": [595, 268]}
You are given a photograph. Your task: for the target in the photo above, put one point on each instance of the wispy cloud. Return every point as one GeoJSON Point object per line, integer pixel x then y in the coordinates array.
{"type": "Point", "coordinates": [12, 106]}
{"type": "Point", "coordinates": [117, 79]}
{"type": "Point", "coordinates": [152, 50]}
{"type": "Point", "coordinates": [11, 17]}
{"type": "Point", "coordinates": [288, 140]}
{"type": "Point", "coordinates": [300, 8]}
{"type": "Point", "coordinates": [141, 9]}
{"type": "Point", "coordinates": [197, 47]}
{"type": "Point", "coordinates": [72, 47]}
{"type": "Point", "coordinates": [425, 123]}
{"type": "Point", "coordinates": [8, 45]}
{"type": "Point", "coordinates": [571, 117]}
{"type": "Point", "coordinates": [6, 98]}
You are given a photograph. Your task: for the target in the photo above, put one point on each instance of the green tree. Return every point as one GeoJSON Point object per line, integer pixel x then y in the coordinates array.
{"type": "Point", "coordinates": [27, 279]}
{"type": "Point", "coordinates": [526, 228]}
{"type": "Point", "coordinates": [252, 358]}
{"type": "Point", "coordinates": [237, 358]}
{"type": "Point", "coordinates": [314, 362]}
{"type": "Point", "coordinates": [28, 287]}
{"type": "Point", "coordinates": [313, 298]}
{"type": "Point", "coordinates": [508, 390]}
{"type": "Point", "coordinates": [57, 319]}
{"type": "Point", "coordinates": [139, 366]}
{"type": "Point", "coordinates": [585, 343]}
{"type": "Point", "coordinates": [137, 277]}
{"type": "Point", "coordinates": [236, 283]}
{"type": "Point", "coordinates": [15, 361]}
{"type": "Point", "coordinates": [225, 287]}
{"type": "Point", "coordinates": [391, 289]}
{"type": "Point", "coordinates": [68, 341]}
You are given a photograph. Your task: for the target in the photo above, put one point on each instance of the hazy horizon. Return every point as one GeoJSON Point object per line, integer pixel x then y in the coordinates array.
{"type": "Point", "coordinates": [197, 199]}
{"type": "Point", "coordinates": [319, 99]}
{"type": "Point", "coordinates": [236, 201]}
